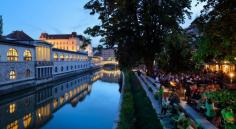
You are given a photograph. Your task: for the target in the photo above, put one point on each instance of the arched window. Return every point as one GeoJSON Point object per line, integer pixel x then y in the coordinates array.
{"type": "Point", "coordinates": [55, 69]}
{"type": "Point", "coordinates": [71, 58]}
{"type": "Point", "coordinates": [62, 68]}
{"type": "Point", "coordinates": [27, 73]}
{"type": "Point", "coordinates": [12, 75]}
{"type": "Point", "coordinates": [78, 58]}
{"type": "Point", "coordinates": [27, 55]}
{"type": "Point", "coordinates": [66, 57]}
{"type": "Point", "coordinates": [55, 57]}
{"type": "Point", "coordinates": [12, 55]}
{"type": "Point", "coordinates": [13, 125]}
{"type": "Point", "coordinates": [27, 120]}
{"type": "Point", "coordinates": [62, 57]}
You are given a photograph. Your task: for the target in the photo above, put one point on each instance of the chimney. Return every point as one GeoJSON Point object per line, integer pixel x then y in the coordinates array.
{"type": "Point", "coordinates": [73, 34]}
{"type": "Point", "coordinates": [43, 35]}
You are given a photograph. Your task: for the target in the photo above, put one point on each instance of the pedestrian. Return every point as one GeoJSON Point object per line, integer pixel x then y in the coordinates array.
{"type": "Point", "coordinates": [210, 113]}
{"type": "Point", "coordinates": [161, 91]}
{"type": "Point", "coordinates": [164, 106]}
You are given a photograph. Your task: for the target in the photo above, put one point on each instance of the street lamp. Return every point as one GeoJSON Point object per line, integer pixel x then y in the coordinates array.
{"type": "Point", "coordinates": [231, 75]}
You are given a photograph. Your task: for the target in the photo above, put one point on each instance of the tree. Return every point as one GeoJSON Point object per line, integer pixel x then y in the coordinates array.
{"type": "Point", "coordinates": [100, 47]}
{"type": "Point", "coordinates": [119, 27]}
{"type": "Point", "coordinates": [176, 54]}
{"type": "Point", "coordinates": [86, 42]}
{"type": "Point", "coordinates": [158, 20]}
{"type": "Point", "coordinates": [137, 27]}
{"type": "Point", "coordinates": [217, 22]}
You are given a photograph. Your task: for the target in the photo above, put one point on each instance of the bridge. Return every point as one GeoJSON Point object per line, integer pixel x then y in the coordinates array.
{"type": "Point", "coordinates": [105, 62]}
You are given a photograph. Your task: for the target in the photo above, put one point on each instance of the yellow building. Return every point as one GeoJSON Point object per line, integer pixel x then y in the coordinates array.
{"type": "Point", "coordinates": [70, 42]}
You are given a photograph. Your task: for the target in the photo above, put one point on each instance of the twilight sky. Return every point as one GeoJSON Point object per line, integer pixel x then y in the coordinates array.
{"type": "Point", "coordinates": [54, 16]}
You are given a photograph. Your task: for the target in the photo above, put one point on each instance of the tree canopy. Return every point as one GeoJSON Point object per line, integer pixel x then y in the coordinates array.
{"type": "Point", "coordinates": [137, 27]}
{"type": "Point", "coordinates": [217, 22]}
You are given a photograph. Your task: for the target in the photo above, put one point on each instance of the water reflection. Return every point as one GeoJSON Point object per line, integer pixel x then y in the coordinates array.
{"type": "Point", "coordinates": [33, 108]}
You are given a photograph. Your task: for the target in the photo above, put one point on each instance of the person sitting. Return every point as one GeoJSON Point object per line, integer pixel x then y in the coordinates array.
{"type": "Point", "coordinates": [210, 113]}
{"type": "Point", "coordinates": [164, 106]}
{"type": "Point", "coordinates": [196, 95]}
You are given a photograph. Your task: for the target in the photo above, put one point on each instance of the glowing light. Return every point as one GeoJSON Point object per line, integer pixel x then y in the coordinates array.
{"type": "Point", "coordinates": [231, 75]}
{"type": "Point", "coordinates": [172, 83]}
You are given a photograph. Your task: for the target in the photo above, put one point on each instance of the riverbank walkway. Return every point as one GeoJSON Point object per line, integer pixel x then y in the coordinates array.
{"type": "Point", "coordinates": [198, 118]}
{"type": "Point", "coordinates": [165, 121]}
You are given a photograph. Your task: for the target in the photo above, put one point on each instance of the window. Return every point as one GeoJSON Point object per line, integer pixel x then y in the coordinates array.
{"type": "Point", "coordinates": [55, 90]}
{"type": "Point", "coordinates": [27, 73]}
{"type": "Point", "coordinates": [71, 67]}
{"type": "Point", "coordinates": [12, 108]}
{"type": "Point", "coordinates": [12, 75]}
{"type": "Point", "coordinates": [67, 68]}
{"type": "Point", "coordinates": [62, 68]}
{"type": "Point", "coordinates": [66, 57]}
{"type": "Point", "coordinates": [27, 55]}
{"type": "Point", "coordinates": [13, 125]}
{"type": "Point", "coordinates": [55, 57]}
{"type": "Point", "coordinates": [62, 57]}
{"type": "Point", "coordinates": [55, 69]}
{"type": "Point", "coordinates": [27, 120]}
{"type": "Point", "coordinates": [12, 55]}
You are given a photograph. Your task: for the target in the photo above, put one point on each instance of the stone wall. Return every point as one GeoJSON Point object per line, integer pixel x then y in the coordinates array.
{"type": "Point", "coordinates": [20, 69]}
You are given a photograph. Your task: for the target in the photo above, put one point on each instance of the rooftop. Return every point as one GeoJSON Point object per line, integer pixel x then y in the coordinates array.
{"type": "Point", "coordinates": [18, 36]}
{"type": "Point", "coordinates": [60, 36]}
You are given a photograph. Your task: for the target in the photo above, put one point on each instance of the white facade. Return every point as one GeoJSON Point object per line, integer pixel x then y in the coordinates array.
{"type": "Point", "coordinates": [35, 60]}
{"type": "Point", "coordinates": [15, 68]}
{"type": "Point", "coordinates": [67, 61]}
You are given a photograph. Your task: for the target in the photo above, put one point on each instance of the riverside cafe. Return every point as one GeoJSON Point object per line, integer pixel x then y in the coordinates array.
{"type": "Point", "coordinates": [228, 113]}
{"type": "Point", "coordinates": [225, 67]}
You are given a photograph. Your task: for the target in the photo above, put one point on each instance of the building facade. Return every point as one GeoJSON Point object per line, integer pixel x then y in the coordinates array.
{"type": "Point", "coordinates": [69, 61]}
{"type": "Point", "coordinates": [16, 62]}
{"type": "Point", "coordinates": [24, 60]}
{"type": "Point", "coordinates": [70, 42]}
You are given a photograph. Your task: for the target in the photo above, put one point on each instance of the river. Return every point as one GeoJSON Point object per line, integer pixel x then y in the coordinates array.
{"type": "Point", "coordinates": [87, 101]}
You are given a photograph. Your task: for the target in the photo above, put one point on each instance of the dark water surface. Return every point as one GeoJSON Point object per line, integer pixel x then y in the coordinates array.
{"type": "Point", "coordinates": [89, 101]}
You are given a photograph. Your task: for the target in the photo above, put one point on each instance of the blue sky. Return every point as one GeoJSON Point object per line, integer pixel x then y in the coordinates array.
{"type": "Point", "coordinates": [53, 16]}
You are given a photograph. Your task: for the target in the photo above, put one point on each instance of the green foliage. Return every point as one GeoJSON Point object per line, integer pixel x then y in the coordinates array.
{"type": "Point", "coordinates": [146, 117]}
{"type": "Point", "coordinates": [87, 41]}
{"type": "Point", "coordinates": [224, 98]}
{"type": "Point", "coordinates": [176, 54]}
{"type": "Point", "coordinates": [127, 118]}
{"type": "Point", "coordinates": [217, 23]}
{"type": "Point", "coordinates": [137, 27]}
{"type": "Point", "coordinates": [136, 110]}
{"type": "Point", "coordinates": [100, 47]}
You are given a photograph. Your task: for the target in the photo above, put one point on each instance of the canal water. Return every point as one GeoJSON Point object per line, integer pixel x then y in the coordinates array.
{"type": "Point", "coordinates": [88, 101]}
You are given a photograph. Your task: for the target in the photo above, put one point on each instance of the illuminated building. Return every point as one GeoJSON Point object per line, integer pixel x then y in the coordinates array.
{"type": "Point", "coordinates": [224, 67]}
{"type": "Point", "coordinates": [25, 61]}
{"type": "Point", "coordinates": [69, 42]}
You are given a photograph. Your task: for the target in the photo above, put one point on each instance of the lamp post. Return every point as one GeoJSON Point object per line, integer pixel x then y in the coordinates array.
{"type": "Point", "coordinates": [231, 75]}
